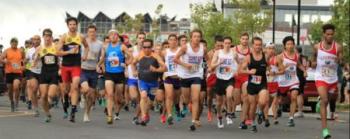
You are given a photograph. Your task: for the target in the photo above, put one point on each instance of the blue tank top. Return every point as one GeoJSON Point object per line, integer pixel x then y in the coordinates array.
{"type": "Point", "coordinates": [115, 59]}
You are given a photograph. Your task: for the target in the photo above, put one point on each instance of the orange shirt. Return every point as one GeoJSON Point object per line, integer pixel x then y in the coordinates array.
{"type": "Point", "coordinates": [14, 59]}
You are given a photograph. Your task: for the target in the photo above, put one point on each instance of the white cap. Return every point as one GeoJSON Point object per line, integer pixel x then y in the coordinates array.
{"type": "Point", "coordinates": [270, 45]}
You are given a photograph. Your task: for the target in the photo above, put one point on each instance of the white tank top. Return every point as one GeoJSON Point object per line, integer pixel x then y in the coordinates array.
{"type": "Point", "coordinates": [195, 59]}
{"type": "Point", "coordinates": [30, 56]}
{"type": "Point", "coordinates": [135, 53]}
{"type": "Point", "coordinates": [326, 69]}
{"type": "Point", "coordinates": [169, 62]}
{"type": "Point", "coordinates": [289, 78]}
{"type": "Point", "coordinates": [274, 68]}
{"type": "Point", "coordinates": [228, 67]}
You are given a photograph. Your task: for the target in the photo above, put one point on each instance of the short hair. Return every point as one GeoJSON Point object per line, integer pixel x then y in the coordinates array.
{"type": "Point", "coordinates": [47, 30]}
{"type": "Point", "coordinates": [196, 31]}
{"type": "Point", "coordinates": [71, 19]}
{"type": "Point", "coordinates": [219, 38]}
{"type": "Point", "coordinates": [256, 39]}
{"type": "Point", "coordinates": [92, 26]}
{"type": "Point", "coordinates": [165, 43]}
{"type": "Point", "coordinates": [299, 49]}
{"type": "Point", "coordinates": [244, 34]}
{"type": "Point", "coordinates": [203, 41]}
{"type": "Point", "coordinates": [228, 38]}
{"type": "Point", "coordinates": [148, 40]}
{"type": "Point", "coordinates": [182, 36]}
{"type": "Point", "coordinates": [172, 35]}
{"type": "Point", "coordinates": [105, 38]}
{"type": "Point", "coordinates": [140, 33]}
{"type": "Point", "coordinates": [325, 27]}
{"type": "Point", "coordinates": [56, 40]}
{"type": "Point", "coordinates": [288, 38]}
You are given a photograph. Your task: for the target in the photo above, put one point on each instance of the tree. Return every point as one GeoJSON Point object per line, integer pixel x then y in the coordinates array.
{"type": "Point", "coordinates": [137, 22]}
{"type": "Point", "coordinates": [250, 17]}
{"type": "Point", "coordinates": [315, 32]}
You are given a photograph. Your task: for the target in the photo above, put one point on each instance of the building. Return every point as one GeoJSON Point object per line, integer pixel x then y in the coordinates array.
{"type": "Point", "coordinates": [105, 23]}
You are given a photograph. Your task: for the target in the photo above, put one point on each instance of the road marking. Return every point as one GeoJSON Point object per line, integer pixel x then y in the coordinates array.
{"type": "Point", "coordinates": [6, 113]}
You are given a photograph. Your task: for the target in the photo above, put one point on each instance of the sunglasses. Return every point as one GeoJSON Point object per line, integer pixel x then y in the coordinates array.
{"type": "Point", "coordinates": [147, 47]}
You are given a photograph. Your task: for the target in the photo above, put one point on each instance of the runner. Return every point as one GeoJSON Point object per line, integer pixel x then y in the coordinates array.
{"type": "Point", "coordinates": [288, 82]}
{"type": "Point", "coordinates": [171, 81]}
{"type": "Point", "coordinates": [241, 82]}
{"type": "Point", "coordinates": [255, 65]}
{"type": "Point", "coordinates": [47, 56]}
{"type": "Point", "coordinates": [191, 73]}
{"type": "Point", "coordinates": [113, 56]}
{"type": "Point", "coordinates": [70, 49]}
{"type": "Point", "coordinates": [300, 100]}
{"type": "Point", "coordinates": [89, 76]}
{"type": "Point", "coordinates": [224, 63]}
{"type": "Point", "coordinates": [275, 69]}
{"type": "Point", "coordinates": [159, 103]}
{"type": "Point", "coordinates": [33, 74]}
{"type": "Point", "coordinates": [132, 83]}
{"type": "Point", "coordinates": [150, 65]}
{"type": "Point", "coordinates": [211, 77]}
{"type": "Point", "coordinates": [13, 59]}
{"type": "Point", "coordinates": [327, 56]}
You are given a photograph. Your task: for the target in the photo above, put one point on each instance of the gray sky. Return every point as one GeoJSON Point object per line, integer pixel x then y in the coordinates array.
{"type": "Point", "coordinates": [23, 18]}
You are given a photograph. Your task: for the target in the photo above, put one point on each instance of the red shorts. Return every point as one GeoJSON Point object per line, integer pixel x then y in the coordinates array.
{"type": "Point", "coordinates": [211, 81]}
{"type": "Point", "coordinates": [330, 87]}
{"type": "Point", "coordinates": [272, 87]}
{"type": "Point", "coordinates": [284, 90]}
{"type": "Point", "coordinates": [240, 80]}
{"type": "Point", "coordinates": [67, 73]}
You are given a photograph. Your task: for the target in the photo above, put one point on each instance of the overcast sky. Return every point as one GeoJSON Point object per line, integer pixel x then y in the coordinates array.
{"type": "Point", "coordinates": [23, 18]}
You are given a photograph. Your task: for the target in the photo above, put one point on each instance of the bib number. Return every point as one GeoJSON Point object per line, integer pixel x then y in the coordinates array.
{"type": "Point", "coordinates": [194, 68]}
{"type": "Point", "coordinates": [225, 70]}
{"type": "Point", "coordinates": [115, 62]}
{"type": "Point", "coordinates": [49, 60]}
{"type": "Point", "coordinates": [328, 72]}
{"type": "Point", "coordinates": [172, 67]}
{"type": "Point", "coordinates": [256, 79]}
{"type": "Point", "coordinates": [15, 66]}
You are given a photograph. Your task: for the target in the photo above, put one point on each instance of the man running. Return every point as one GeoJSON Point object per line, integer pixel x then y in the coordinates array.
{"type": "Point", "coordinates": [289, 82]}
{"type": "Point", "coordinates": [13, 59]}
{"type": "Point", "coordinates": [241, 81]}
{"type": "Point", "coordinates": [113, 56]}
{"type": "Point", "coordinates": [89, 76]}
{"type": "Point", "coordinates": [47, 56]}
{"type": "Point", "coordinates": [224, 63]}
{"type": "Point", "coordinates": [150, 65]}
{"type": "Point", "coordinates": [190, 59]}
{"type": "Point", "coordinates": [70, 49]}
{"type": "Point", "coordinates": [327, 56]}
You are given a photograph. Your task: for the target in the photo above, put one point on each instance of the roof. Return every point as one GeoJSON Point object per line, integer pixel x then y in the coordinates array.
{"type": "Point", "coordinates": [83, 17]}
{"type": "Point", "coordinates": [101, 17]}
{"type": "Point", "coordinates": [121, 18]}
{"type": "Point", "coordinates": [289, 7]}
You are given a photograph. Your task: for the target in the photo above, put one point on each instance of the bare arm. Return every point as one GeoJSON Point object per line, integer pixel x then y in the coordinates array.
{"type": "Point", "coordinates": [244, 66]}
{"type": "Point", "coordinates": [3, 57]}
{"type": "Point", "coordinates": [314, 57]}
{"type": "Point", "coordinates": [60, 51]}
{"type": "Point", "coordinates": [102, 59]}
{"type": "Point", "coordinates": [162, 67]}
{"type": "Point", "coordinates": [86, 48]}
{"type": "Point", "coordinates": [127, 54]}
{"type": "Point", "coordinates": [214, 62]}
{"type": "Point", "coordinates": [177, 60]}
{"type": "Point", "coordinates": [340, 54]}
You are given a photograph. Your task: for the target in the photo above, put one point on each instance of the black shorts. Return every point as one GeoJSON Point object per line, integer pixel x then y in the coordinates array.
{"type": "Point", "coordinates": [32, 75]}
{"type": "Point", "coordinates": [221, 86]}
{"type": "Point", "coordinates": [49, 78]}
{"type": "Point", "coordinates": [204, 85]}
{"type": "Point", "coordinates": [26, 74]}
{"type": "Point", "coordinates": [10, 77]}
{"type": "Point", "coordinates": [117, 78]}
{"type": "Point", "coordinates": [255, 89]}
{"type": "Point", "coordinates": [186, 83]}
{"type": "Point", "coordinates": [161, 85]}
{"type": "Point", "coordinates": [89, 76]}
{"type": "Point", "coordinates": [173, 81]}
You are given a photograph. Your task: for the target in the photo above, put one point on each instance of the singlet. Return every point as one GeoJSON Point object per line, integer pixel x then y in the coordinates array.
{"type": "Point", "coordinates": [144, 69]}
{"type": "Point", "coordinates": [274, 68]}
{"type": "Point", "coordinates": [135, 53]}
{"type": "Point", "coordinates": [114, 59]}
{"type": "Point", "coordinates": [259, 78]}
{"type": "Point", "coordinates": [14, 61]}
{"type": "Point", "coordinates": [93, 55]}
{"type": "Point", "coordinates": [289, 78]}
{"type": "Point", "coordinates": [326, 69]}
{"type": "Point", "coordinates": [70, 43]}
{"type": "Point", "coordinates": [228, 67]}
{"type": "Point", "coordinates": [240, 58]}
{"type": "Point", "coordinates": [30, 55]}
{"type": "Point", "coordinates": [196, 60]}
{"type": "Point", "coordinates": [49, 59]}
{"type": "Point", "coordinates": [169, 62]}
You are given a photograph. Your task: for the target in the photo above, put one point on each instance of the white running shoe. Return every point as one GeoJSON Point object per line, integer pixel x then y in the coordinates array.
{"type": "Point", "coordinates": [86, 118]}
{"type": "Point", "coordinates": [220, 124]}
{"type": "Point", "coordinates": [229, 120]}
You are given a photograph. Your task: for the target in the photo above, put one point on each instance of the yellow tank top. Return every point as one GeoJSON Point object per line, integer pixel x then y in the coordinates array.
{"type": "Point", "coordinates": [73, 39]}
{"type": "Point", "coordinates": [47, 50]}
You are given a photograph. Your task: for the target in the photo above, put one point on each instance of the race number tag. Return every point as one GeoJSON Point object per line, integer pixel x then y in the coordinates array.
{"type": "Point", "coordinates": [225, 70]}
{"type": "Point", "coordinates": [114, 62]}
{"type": "Point", "coordinates": [15, 66]}
{"type": "Point", "coordinates": [256, 79]}
{"type": "Point", "coordinates": [194, 68]}
{"type": "Point", "coordinates": [328, 72]}
{"type": "Point", "coordinates": [49, 60]}
{"type": "Point", "coordinates": [172, 67]}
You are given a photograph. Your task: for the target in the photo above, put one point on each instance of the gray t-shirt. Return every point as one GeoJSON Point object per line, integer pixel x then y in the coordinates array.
{"type": "Point", "coordinates": [93, 55]}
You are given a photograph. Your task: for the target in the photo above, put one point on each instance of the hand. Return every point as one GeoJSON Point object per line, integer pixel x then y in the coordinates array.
{"type": "Point", "coordinates": [135, 73]}
{"type": "Point", "coordinates": [152, 69]}
{"type": "Point", "coordinates": [84, 58]}
{"type": "Point", "coordinates": [188, 66]}
{"type": "Point", "coordinates": [305, 74]}
{"type": "Point", "coordinates": [252, 71]}
{"type": "Point", "coordinates": [98, 69]}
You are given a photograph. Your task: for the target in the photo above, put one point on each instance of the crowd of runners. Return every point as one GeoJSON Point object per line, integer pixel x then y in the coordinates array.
{"type": "Point", "coordinates": [176, 78]}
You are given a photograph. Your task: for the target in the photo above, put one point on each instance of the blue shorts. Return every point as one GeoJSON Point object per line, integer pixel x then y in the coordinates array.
{"type": "Point", "coordinates": [148, 86]}
{"type": "Point", "coordinates": [89, 76]}
{"type": "Point", "coordinates": [132, 82]}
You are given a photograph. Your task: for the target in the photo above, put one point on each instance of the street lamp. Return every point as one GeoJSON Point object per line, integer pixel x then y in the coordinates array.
{"type": "Point", "coordinates": [298, 30]}
{"type": "Point", "coordinates": [273, 20]}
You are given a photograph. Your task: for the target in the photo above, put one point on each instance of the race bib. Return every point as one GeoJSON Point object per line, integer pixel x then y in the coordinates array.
{"type": "Point", "coordinates": [225, 70]}
{"type": "Point", "coordinates": [16, 66]}
{"type": "Point", "coordinates": [328, 72]}
{"type": "Point", "coordinates": [194, 68]}
{"type": "Point", "coordinates": [49, 60]}
{"type": "Point", "coordinates": [288, 76]}
{"type": "Point", "coordinates": [114, 62]}
{"type": "Point", "coordinates": [172, 67]}
{"type": "Point", "coordinates": [256, 79]}
{"type": "Point", "coordinates": [70, 47]}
